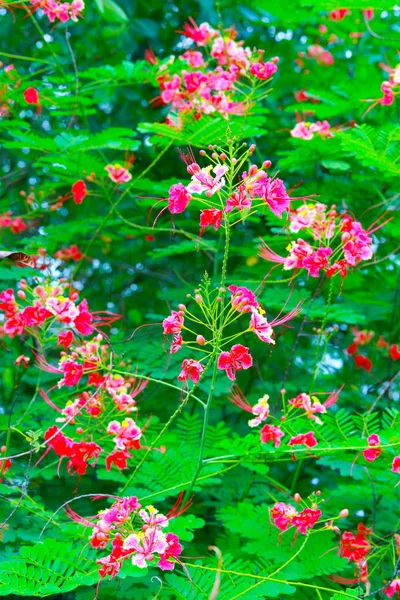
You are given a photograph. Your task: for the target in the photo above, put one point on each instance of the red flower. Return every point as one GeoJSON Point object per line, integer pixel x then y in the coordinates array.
{"type": "Point", "coordinates": [355, 547]}
{"type": "Point", "coordinates": [72, 373]}
{"type": "Point", "coordinates": [352, 349]}
{"type": "Point", "coordinates": [304, 439]}
{"type": "Point", "coordinates": [282, 515]}
{"type": "Point", "coordinates": [270, 433]}
{"type": "Point", "coordinates": [179, 198]}
{"type": "Point", "coordinates": [31, 96]}
{"type": "Point", "coordinates": [211, 216]}
{"type": "Point", "coordinates": [362, 362]}
{"type": "Point", "coordinates": [79, 191]}
{"type": "Point", "coordinates": [118, 458]}
{"type": "Point", "coordinates": [83, 321]}
{"type": "Point", "coordinates": [396, 464]}
{"type": "Point", "coordinates": [373, 451]}
{"type": "Point", "coordinates": [65, 339]}
{"type": "Point", "coordinates": [238, 358]}
{"type": "Point", "coordinates": [394, 352]}
{"type": "Point", "coordinates": [306, 519]}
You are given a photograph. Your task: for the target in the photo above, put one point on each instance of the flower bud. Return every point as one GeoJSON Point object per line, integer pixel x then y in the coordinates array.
{"type": "Point", "coordinates": [344, 513]}
{"type": "Point", "coordinates": [202, 152]}
{"type": "Point", "coordinates": [79, 430]}
{"type": "Point", "coordinates": [23, 285]}
{"type": "Point", "coordinates": [275, 59]}
{"type": "Point", "coordinates": [318, 492]}
{"type": "Point", "coordinates": [234, 160]}
{"type": "Point", "coordinates": [223, 156]}
{"type": "Point", "coordinates": [218, 299]}
{"type": "Point", "coordinates": [210, 147]}
{"type": "Point", "coordinates": [181, 307]}
{"type": "Point", "coordinates": [3, 448]}
{"type": "Point", "coordinates": [21, 295]}
{"type": "Point", "coordinates": [214, 155]}
{"type": "Point", "coordinates": [297, 498]}
{"type": "Point", "coordinates": [283, 391]}
{"type": "Point", "coordinates": [266, 164]}
{"type": "Point", "coordinates": [198, 298]}
{"type": "Point", "coordinates": [200, 340]}
{"type": "Point", "coordinates": [74, 296]}
{"type": "Point", "coordinates": [283, 418]}
{"type": "Point", "coordinates": [222, 290]}
{"type": "Point", "coordinates": [252, 148]}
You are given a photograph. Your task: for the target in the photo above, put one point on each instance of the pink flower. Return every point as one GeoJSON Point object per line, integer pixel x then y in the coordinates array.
{"type": "Point", "coordinates": [388, 94]}
{"type": "Point", "coordinates": [127, 434]}
{"type": "Point", "coordinates": [261, 410]}
{"type": "Point", "coordinates": [239, 200]}
{"type": "Point", "coordinates": [35, 315]}
{"type": "Point", "coordinates": [191, 369]}
{"type": "Point", "coordinates": [173, 550]}
{"type": "Point", "coordinates": [72, 373]}
{"type": "Point", "coordinates": [302, 131]}
{"type": "Point", "coordinates": [179, 198]}
{"type": "Point", "coordinates": [193, 80]}
{"type": "Point", "coordinates": [263, 70]}
{"type": "Point", "coordinates": [243, 300]}
{"type": "Point", "coordinates": [193, 57]}
{"type": "Point", "coordinates": [22, 360]}
{"type": "Point", "coordinates": [270, 433]}
{"type": "Point", "coordinates": [373, 451]}
{"type": "Point", "coordinates": [238, 358]}
{"type": "Point", "coordinates": [145, 545]}
{"type": "Point", "coordinates": [392, 588]}
{"type": "Point", "coordinates": [173, 323]}
{"type": "Point", "coordinates": [276, 196]}
{"type": "Point", "coordinates": [176, 344]}
{"type": "Point", "coordinates": [76, 8]}
{"type": "Point", "coordinates": [261, 327]}
{"type": "Point", "coordinates": [396, 464]}
{"type": "Point", "coordinates": [201, 34]}
{"type": "Point", "coordinates": [118, 174]}
{"type": "Point", "coordinates": [317, 260]}
{"type": "Point", "coordinates": [8, 303]}
{"type": "Point", "coordinates": [282, 514]}
{"type": "Point", "coordinates": [84, 319]}
{"type": "Point", "coordinates": [54, 11]}
{"type": "Point", "coordinates": [303, 439]}
{"type": "Point", "coordinates": [211, 216]}
{"type": "Point", "coordinates": [203, 181]}
{"type": "Point", "coordinates": [306, 519]}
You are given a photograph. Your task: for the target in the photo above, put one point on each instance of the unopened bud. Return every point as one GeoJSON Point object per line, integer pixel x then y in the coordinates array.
{"type": "Point", "coordinates": [202, 152]}
{"type": "Point", "coordinates": [23, 285]}
{"type": "Point", "coordinates": [162, 449]}
{"type": "Point", "coordinates": [283, 391]}
{"type": "Point", "coordinates": [3, 448]}
{"type": "Point", "coordinates": [198, 298]}
{"type": "Point", "coordinates": [218, 299]}
{"type": "Point", "coordinates": [283, 418]}
{"type": "Point", "coordinates": [234, 160]}
{"type": "Point", "coordinates": [79, 430]}
{"type": "Point", "coordinates": [21, 295]}
{"type": "Point", "coordinates": [214, 155]}
{"type": "Point", "coordinates": [297, 498]}
{"type": "Point", "coordinates": [318, 492]}
{"type": "Point", "coordinates": [210, 147]}
{"type": "Point", "coordinates": [222, 290]}
{"type": "Point", "coordinates": [223, 156]}
{"type": "Point", "coordinates": [181, 307]}
{"type": "Point", "coordinates": [266, 164]}
{"type": "Point", "coordinates": [344, 513]}
{"type": "Point", "coordinates": [74, 296]}
{"type": "Point", "coordinates": [252, 148]}
{"type": "Point", "coordinates": [275, 59]}
{"type": "Point", "coordinates": [200, 339]}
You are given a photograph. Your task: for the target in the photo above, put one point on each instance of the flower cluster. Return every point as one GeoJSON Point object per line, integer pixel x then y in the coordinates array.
{"type": "Point", "coordinates": [14, 224]}
{"type": "Point", "coordinates": [101, 411]}
{"type": "Point", "coordinates": [47, 304]}
{"type": "Point", "coordinates": [135, 533]}
{"type": "Point", "coordinates": [356, 548]}
{"type": "Point", "coordinates": [366, 338]}
{"type": "Point", "coordinates": [61, 11]}
{"type": "Point", "coordinates": [306, 131]}
{"type": "Point", "coordinates": [72, 253]}
{"type": "Point", "coordinates": [324, 226]}
{"type": "Point", "coordinates": [213, 78]}
{"type": "Point", "coordinates": [226, 193]}
{"type": "Point", "coordinates": [242, 301]}
{"type": "Point", "coordinates": [285, 515]}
